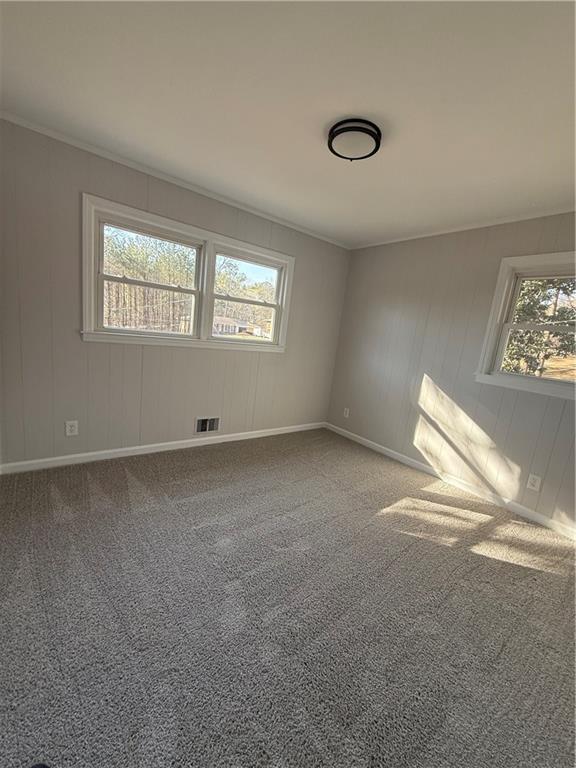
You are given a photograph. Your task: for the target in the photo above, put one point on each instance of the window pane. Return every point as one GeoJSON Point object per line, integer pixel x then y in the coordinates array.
{"type": "Point", "coordinates": [541, 353]}
{"type": "Point", "coordinates": [245, 280]}
{"type": "Point", "coordinates": [142, 257]}
{"type": "Point", "coordinates": [147, 309]}
{"type": "Point", "coordinates": [243, 321]}
{"type": "Point", "coordinates": [546, 300]}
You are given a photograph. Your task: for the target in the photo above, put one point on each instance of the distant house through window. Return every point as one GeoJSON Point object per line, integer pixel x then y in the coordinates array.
{"type": "Point", "coordinates": [228, 326]}
{"type": "Point", "coordinates": [151, 280]}
{"type": "Point", "coordinates": [245, 295]}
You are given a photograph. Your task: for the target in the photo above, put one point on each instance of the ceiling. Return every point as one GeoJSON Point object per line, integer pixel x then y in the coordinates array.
{"type": "Point", "coordinates": [475, 101]}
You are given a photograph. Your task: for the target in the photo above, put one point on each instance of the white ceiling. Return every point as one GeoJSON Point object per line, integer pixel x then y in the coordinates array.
{"type": "Point", "coordinates": [475, 101]}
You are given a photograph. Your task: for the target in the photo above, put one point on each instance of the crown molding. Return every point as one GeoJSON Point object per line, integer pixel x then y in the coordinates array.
{"type": "Point", "coordinates": [100, 152]}
{"type": "Point", "coordinates": [440, 233]}
{"type": "Point", "coordinates": [10, 117]}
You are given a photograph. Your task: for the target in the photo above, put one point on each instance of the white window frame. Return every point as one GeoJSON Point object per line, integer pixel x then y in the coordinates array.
{"type": "Point", "coordinates": [512, 270]}
{"type": "Point", "coordinates": [97, 211]}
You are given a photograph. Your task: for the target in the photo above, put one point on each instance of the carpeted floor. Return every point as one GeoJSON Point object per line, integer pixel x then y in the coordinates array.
{"type": "Point", "coordinates": [291, 601]}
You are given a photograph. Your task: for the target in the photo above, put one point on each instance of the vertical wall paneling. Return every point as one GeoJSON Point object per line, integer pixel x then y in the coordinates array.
{"type": "Point", "coordinates": [13, 409]}
{"type": "Point", "coordinates": [413, 324]}
{"type": "Point", "coordinates": [559, 474]}
{"type": "Point", "coordinates": [68, 171]}
{"type": "Point", "coordinates": [128, 395]}
{"type": "Point", "coordinates": [34, 255]}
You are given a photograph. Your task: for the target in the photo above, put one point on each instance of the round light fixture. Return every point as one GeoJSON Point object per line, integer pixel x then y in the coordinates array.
{"type": "Point", "coordinates": [354, 139]}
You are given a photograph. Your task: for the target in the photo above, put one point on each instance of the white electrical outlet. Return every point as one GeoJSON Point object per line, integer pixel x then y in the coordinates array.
{"type": "Point", "coordinates": [71, 428]}
{"type": "Point", "coordinates": [346, 412]}
{"type": "Point", "coordinates": [533, 483]}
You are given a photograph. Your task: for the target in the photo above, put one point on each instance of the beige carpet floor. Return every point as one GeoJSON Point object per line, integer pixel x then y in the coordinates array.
{"type": "Point", "coordinates": [290, 601]}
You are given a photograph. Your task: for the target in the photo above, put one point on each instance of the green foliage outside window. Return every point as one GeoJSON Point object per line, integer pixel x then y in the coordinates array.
{"type": "Point", "coordinates": [153, 260]}
{"type": "Point", "coordinates": [544, 353]}
{"type": "Point", "coordinates": [231, 280]}
{"type": "Point", "coordinates": [141, 257]}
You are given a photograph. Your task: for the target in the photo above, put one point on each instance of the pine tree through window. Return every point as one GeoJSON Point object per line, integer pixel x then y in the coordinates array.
{"type": "Point", "coordinates": [529, 343]}
{"type": "Point", "coordinates": [149, 283]}
{"type": "Point", "coordinates": [148, 279]}
{"type": "Point", "coordinates": [245, 299]}
{"type": "Point", "coordinates": [539, 334]}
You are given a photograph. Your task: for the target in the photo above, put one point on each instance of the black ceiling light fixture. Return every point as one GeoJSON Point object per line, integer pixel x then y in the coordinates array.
{"type": "Point", "coordinates": [354, 139]}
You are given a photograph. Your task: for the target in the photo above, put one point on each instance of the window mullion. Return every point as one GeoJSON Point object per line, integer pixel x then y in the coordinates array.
{"type": "Point", "coordinates": [207, 290]}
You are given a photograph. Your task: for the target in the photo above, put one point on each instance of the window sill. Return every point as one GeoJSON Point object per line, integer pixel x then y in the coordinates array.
{"type": "Point", "coordinates": [114, 337]}
{"type": "Point", "coordinates": [545, 387]}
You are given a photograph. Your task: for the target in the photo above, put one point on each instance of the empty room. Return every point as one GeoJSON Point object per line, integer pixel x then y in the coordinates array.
{"type": "Point", "coordinates": [287, 377]}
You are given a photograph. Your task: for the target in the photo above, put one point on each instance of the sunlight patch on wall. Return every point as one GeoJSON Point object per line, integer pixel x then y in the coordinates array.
{"type": "Point", "coordinates": [455, 446]}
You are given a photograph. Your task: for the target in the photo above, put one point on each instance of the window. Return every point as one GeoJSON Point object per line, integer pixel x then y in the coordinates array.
{"type": "Point", "coordinates": [245, 299]}
{"type": "Point", "coordinates": [530, 341]}
{"type": "Point", "coordinates": [148, 283]}
{"type": "Point", "coordinates": [151, 280]}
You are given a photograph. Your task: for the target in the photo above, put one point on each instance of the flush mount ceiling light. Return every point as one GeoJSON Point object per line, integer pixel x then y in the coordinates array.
{"type": "Point", "coordinates": [354, 139]}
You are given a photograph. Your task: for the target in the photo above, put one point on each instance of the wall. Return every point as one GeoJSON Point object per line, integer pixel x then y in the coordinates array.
{"type": "Point", "coordinates": [128, 395]}
{"type": "Point", "coordinates": [412, 330]}
{"type": "Point", "coordinates": [413, 324]}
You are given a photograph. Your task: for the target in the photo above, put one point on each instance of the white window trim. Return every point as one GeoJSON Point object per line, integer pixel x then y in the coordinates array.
{"type": "Point", "coordinates": [492, 350]}
{"type": "Point", "coordinates": [95, 210]}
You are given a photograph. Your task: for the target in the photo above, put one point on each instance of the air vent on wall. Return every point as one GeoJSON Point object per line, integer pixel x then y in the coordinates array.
{"type": "Point", "coordinates": [208, 425]}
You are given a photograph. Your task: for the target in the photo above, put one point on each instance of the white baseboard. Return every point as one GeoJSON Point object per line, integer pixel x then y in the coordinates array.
{"type": "Point", "coordinates": [135, 450]}
{"type": "Point", "coordinates": [509, 504]}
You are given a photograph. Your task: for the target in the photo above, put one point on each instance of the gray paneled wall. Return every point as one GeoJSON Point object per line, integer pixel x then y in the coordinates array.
{"type": "Point", "coordinates": [127, 395]}
{"type": "Point", "coordinates": [412, 329]}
